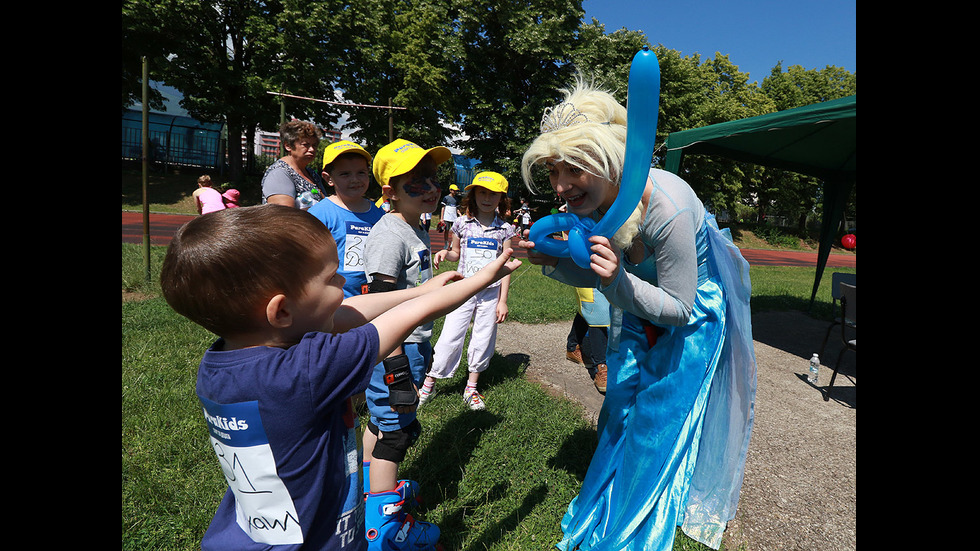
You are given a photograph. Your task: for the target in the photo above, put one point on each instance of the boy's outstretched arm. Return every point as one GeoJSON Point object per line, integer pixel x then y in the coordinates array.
{"type": "Point", "coordinates": [358, 310]}
{"type": "Point", "coordinates": [396, 324]}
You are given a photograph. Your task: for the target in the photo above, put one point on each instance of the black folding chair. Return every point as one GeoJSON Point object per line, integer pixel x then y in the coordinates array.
{"type": "Point", "coordinates": [848, 316]}
{"type": "Point", "coordinates": [837, 279]}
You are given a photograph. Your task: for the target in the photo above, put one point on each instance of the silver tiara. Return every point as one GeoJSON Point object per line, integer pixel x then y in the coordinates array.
{"type": "Point", "coordinates": [562, 115]}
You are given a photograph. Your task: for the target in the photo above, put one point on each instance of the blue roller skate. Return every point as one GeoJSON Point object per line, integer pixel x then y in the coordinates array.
{"type": "Point", "coordinates": [391, 528]}
{"type": "Point", "coordinates": [409, 489]}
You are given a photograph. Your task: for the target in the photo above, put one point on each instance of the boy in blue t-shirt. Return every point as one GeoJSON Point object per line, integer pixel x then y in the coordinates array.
{"type": "Point", "coordinates": [347, 213]}
{"type": "Point", "coordinates": [275, 387]}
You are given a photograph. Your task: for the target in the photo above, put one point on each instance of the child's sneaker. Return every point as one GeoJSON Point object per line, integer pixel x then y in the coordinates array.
{"type": "Point", "coordinates": [474, 400]}
{"type": "Point", "coordinates": [425, 395]}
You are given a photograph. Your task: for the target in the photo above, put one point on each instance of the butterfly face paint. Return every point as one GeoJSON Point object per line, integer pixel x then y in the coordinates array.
{"type": "Point", "coordinates": [420, 185]}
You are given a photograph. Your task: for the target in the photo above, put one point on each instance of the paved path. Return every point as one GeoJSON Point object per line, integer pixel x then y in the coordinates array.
{"type": "Point", "coordinates": [163, 226]}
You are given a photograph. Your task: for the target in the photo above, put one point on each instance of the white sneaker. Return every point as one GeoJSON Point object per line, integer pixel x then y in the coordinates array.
{"type": "Point", "coordinates": [423, 396]}
{"type": "Point", "coordinates": [474, 400]}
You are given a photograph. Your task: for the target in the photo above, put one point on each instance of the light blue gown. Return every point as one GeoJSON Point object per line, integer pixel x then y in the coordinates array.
{"type": "Point", "coordinates": [675, 423]}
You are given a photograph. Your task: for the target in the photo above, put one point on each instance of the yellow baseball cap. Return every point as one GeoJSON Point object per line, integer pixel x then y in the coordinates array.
{"type": "Point", "coordinates": [400, 157]}
{"type": "Point", "coordinates": [336, 149]}
{"type": "Point", "coordinates": [491, 181]}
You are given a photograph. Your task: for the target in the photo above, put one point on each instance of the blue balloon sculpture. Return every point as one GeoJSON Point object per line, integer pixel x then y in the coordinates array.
{"type": "Point", "coordinates": [643, 97]}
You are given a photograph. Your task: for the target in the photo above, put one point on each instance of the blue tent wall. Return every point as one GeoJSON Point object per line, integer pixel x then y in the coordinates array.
{"type": "Point", "coordinates": [465, 170]}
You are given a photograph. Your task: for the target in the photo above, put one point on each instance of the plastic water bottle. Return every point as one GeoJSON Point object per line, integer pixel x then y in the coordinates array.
{"type": "Point", "coordinates": [814, 372]}
{"type": "Point", "coordinates": [306, 200]}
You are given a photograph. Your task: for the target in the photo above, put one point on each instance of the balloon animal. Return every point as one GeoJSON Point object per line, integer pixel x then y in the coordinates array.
{"type": "Point", "coordinates": [643, 96]}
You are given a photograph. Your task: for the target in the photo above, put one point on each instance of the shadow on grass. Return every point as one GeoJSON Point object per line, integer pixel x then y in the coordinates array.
{"type": "Point", "coordinates": [439, 465]}
{"type": "Point", "coordinates": [491, 534]}
{"type": "Point", "coordinates": [575, 453]}
{"type": "Point", "coordinates": [442, 463]}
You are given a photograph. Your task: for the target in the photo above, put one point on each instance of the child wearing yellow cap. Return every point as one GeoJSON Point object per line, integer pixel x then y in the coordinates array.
{"type": "Point", "coordinates": [347, 213]}
{"type": "Point", "coordinates": [478, 238]}
{"type": "Point", "coordinates": [396, 257]}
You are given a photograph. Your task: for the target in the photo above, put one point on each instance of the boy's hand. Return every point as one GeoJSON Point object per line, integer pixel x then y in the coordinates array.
{"type": "Point", "coordinates": [406, 409]}
{"type": "Point", "coordinates": [403, 395]}
{"type": "Point", "coordinates": [440, 280]}
{"type": "Point", "coordinates": [501, 266]}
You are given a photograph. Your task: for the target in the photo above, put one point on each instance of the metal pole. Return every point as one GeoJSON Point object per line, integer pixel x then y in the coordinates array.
{"type": "Point", "coordinates": [282, 121]}
{"type": "Point", "coordinates": [146, 149]}
{"type": "Point", "coordinates": [391, 122]}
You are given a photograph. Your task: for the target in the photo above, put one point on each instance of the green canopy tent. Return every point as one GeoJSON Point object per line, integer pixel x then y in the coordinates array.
{"type": "Point", "coordinates": [818, 140]}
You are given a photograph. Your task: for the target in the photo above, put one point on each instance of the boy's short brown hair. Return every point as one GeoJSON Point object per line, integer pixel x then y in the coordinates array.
{"type": "Point", "coordinates": [222, 268]}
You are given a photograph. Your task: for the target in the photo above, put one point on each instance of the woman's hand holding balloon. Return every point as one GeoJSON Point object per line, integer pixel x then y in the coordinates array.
{"type": "Point", "coordinates": [604, 258]}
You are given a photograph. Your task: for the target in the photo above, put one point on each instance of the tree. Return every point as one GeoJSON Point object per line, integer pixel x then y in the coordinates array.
{"type": "Point", "coordinates": [605, 59]}
{"type": "Point", "coordinates": [798, 86]}
{"type": "Point", "coordinates": [512, 59]}
{"type": "Point", "coordinates": [404, 57]}
{"type": "Point", "coordinates": [226, 55]}
{"type": "Point", "coordinates": [791, 194]}
{"type": "Point", "coordinates": [139, 40]}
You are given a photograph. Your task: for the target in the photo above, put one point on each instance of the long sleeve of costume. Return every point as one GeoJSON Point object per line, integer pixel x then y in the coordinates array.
{"type": "Point", "coordinates": [669, 298]}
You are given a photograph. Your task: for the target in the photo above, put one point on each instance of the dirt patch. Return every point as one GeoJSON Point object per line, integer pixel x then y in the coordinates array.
{"type": "Point", "coordinates": [799, 490]}
{"type": "Point", "coordinates": [132, 296]}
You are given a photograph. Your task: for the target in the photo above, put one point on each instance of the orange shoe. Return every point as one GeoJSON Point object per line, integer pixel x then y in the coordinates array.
{"type": "Point", "coordinates": [600, 378]}
{"type": "Point", "coordinates": [575, 355]}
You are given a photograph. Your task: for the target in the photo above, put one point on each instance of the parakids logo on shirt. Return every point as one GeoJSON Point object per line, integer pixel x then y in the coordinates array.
{"type": "Point", "coordinates": [360, 229]}
{"type": "Point", "coordinates": [230, 424]}
{"type": "Point", "coordinates": [482, 243]}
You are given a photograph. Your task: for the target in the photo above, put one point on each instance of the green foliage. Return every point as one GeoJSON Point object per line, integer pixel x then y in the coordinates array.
{"type": "Point", "coordinates": [475, 74]}
{"type": "Point", "coordinates": [777, 237]}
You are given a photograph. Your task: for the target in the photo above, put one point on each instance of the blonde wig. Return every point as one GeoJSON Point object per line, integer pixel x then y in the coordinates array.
{"type": "Point", "coordinates": [587, 130]}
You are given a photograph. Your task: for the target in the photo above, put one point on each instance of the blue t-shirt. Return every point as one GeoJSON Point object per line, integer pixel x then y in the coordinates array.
{"type": "Point", "coordinates": [349, 230]}
{"type": "Point", "coordinates": [282, 428]}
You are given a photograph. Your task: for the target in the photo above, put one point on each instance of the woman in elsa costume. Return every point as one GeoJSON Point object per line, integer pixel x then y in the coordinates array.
{"type": "Point", "coordinates": [674, 427]}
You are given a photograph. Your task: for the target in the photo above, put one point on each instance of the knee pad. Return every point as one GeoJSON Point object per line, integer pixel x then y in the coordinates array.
{"type": "Point", "coordinates": [392, 445]}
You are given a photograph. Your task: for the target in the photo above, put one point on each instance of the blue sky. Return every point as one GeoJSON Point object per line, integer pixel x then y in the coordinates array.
{"type": "Point", "coordinates": [755, 34]}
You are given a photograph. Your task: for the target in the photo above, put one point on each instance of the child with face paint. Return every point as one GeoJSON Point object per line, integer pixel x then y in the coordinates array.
{"type": "Point", "coordinates": [397, 256]}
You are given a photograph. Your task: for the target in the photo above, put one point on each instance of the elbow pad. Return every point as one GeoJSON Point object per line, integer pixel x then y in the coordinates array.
{"type": "Point", "coordinates": [378, 286]}
{"type": "Point", "coordinates": [398, 379]}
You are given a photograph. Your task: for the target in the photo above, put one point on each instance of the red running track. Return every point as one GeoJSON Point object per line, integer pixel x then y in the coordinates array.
{"type": "Point", "coordinates": [163, 227]}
